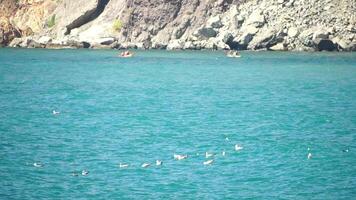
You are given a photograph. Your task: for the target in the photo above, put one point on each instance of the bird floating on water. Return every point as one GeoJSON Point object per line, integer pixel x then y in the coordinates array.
{"type": "Point", "coordinates": [345, 150]}
{"type": "Point", "coordinates": [227, 139]}
{"type": "Point", "coordinates": [180, 157]}
{"type": "Point", "coordinates": [159, 162]}
{"type": "Point", "coordinates": [309, 155]}
{"type": "Point", "coordinates": [208, 162]}
{"type": "Point", "coordinates": [208, 155]}
{"type": "Point", "coordinates": [223, 153]}
{"type": "Point", "coordinates": [122, 165]}
{"type": "Point", "coordinates": [37, 164]}
{"type": "Point", "coordinates": [238, 147]}
{"type": "Point", "coordinates": [145, 165]}
{"type": "Point", "coordinates": [85, 172]}
{"type": "Point", "coordinates": [55, 112]}
{"type": "Point", "coordinates": [75, 174]}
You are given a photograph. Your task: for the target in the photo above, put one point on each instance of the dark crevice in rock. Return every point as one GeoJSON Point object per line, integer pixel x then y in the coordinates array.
{"type": "Point", "coordinates": [179, 7]}
{"type": "Point", "coordinates": [326, 45]}
{"type": "Point", "coordinates": [88, 16]}
{"type": "Point", "coordinates": [236, 46]}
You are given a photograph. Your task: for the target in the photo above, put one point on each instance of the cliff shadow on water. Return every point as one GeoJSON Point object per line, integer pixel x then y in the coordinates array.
{"type": "Point", "coordinates": [89, 16]}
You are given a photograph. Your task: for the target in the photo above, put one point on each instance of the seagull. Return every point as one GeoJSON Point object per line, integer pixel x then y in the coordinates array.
{"type": "Point", "coordinates": [238, 147]}
{"type": "Point", "coordinates": [145, 165]}
{"type": "Point", "coordinates": [55, 112]}
{"type": "Point", "coordinates": [159, 162]}
{"type": "Point", "coordinates": [75, 174]}
{"type": "Point", "coordinates": [207, 155]}
{"type": "Point", "coordinates": [345, 150]}
{"type": "Point", "coordinates": [37, 164]}
{"type": "Point", "coordinates": [85, 172]}
{"type": "Point", "coordinates": [227, 139]}
{"type": "Point", "coordinates": [208, 162]}
{"type": "Point", "coordinates": [180, 157]}
{"type": "Point", "coordinates": [309, 155]}
{"type": "Point", "coordinates": [122, 165]}
{"type": "Point", "coordinates": [223, 153]}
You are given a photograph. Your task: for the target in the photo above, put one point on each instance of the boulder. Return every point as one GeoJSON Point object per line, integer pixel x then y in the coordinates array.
{"type": "Point", "coordinates": [341, 44]}
{"type": "Point", "coordinates": [280, 1]}
{"type": "Point", "coordinates": [266, 39]}
{"type": "Point", "coordinates": [44, 40]}
{"type": "Point", "coordinates": [53, 46]}
{"type": "Point", "coordinates": [68, 43]}
{"type": "Point", "coordinates": [293, 32]}
{"type": "Point", "coordinates": [256, 19]}
{"type": "Point", "coordinates": [245, 39]}
{"type": "Point", "coordinates": [180, 30]}
{"type": "Point", "coordinates": [175, 44]}
{"type": "Point", "coordinates": [226, 37]}
{"type": "Point", "coordinates": [26, 42]}
{"type": "Point", "coordinates": [306, 37]}
{"type": "Point", "coordinates": [320, 34]}
{"type": "Point", "coordinates": [189, 45]}
{"type": "Point", "coordinates": [205, 32]}
{"type": "Point", "coordinates": [159, 45]}
{"type": "Point", "coordinates": [128, 45]}
{"type": "Point", "coordinates": [248, 33]}
{"type": "Point", "coordinates": [34, 44]}
{"type": "Point", "coordinates": [16, 42]}
{"type": "Point", "coordinates": [214, 22]}
{"type": "Point", "coordinates": [278, 47]}
{"type": "Point", "coordinates": [115, 45]}
{"type": "Point", "coordinates": [222, 45]}
{"type": "Point", "coordinates": [106, 41]}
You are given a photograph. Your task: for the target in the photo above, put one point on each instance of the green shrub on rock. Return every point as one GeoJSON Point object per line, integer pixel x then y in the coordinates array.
{"type": "Point", "coordinates": [52, 21]}
{"type": "Point", "coordinates": [117, 25]}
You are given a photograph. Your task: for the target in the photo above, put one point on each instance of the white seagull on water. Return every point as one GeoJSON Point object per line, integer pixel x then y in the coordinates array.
{"type": "Point", "coordinates": [159, 162]}
{"type": "Point", "coordinates": [122, 165]}
{"type": "Point", "coordinates": [85, 172]}
{"type": "Point", "coordinates": [180, 157]}
{"type": "Point", "coordinates": [207, 154]}
{"type": "Point", "coordinates": [238, 147]}
{"type": "Point", "coordinates": [309, 155]}
{"type": "Point", "coordinates": [55, 112]}
{"type": "Point", "coordinates": [36, 164]}
{"type": "Point", "coordinates": [208, 162]}
{"type": "Point", "coordinates": [145, 165]}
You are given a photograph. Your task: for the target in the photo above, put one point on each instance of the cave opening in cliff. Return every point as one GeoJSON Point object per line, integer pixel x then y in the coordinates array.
{"type": "Point", "coordinates": [235, 45]}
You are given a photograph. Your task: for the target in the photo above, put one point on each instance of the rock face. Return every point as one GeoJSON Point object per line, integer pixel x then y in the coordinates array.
{"type": "Point", "coordinates": [180, 24]}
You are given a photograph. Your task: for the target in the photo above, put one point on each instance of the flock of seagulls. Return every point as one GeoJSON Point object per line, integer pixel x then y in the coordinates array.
{"type": "Point", "coordinates": [210, 155]}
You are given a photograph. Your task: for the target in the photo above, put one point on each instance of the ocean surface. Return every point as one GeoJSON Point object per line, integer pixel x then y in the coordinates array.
{"type": "Point", "coordinates": [278, 106]}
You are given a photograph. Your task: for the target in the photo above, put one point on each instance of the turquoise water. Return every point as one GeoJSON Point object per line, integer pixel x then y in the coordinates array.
{"type": "Point", "coordinates": [136, 110]}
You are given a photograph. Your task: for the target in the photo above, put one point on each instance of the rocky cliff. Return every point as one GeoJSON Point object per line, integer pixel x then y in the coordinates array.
{"type": "Point", "coordinates": [180, 24]}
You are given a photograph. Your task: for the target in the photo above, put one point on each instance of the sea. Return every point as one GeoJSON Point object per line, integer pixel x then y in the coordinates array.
{"type": "Point", "coordinates": [68, 118]}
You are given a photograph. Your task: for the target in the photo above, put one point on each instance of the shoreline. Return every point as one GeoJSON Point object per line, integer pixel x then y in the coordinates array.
{"type": "Point", "coordinates": [182, 50]}
{"type": "Point", "coordinates": [46, 42]}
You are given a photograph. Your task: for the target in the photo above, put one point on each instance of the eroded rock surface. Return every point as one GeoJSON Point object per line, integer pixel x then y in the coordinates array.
{"type": "Point", "coordinates": [181, 24]}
